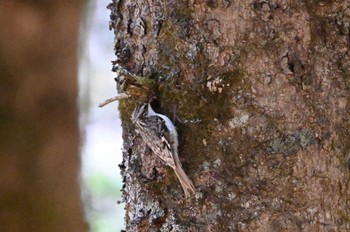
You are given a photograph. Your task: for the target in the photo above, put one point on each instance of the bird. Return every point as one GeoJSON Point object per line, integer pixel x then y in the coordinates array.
{"type": "Point", "coordinates": [160, 135]}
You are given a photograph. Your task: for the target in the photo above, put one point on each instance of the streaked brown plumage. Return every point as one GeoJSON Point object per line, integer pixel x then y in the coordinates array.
{"type": "Point", "coordinates": [160, 135]}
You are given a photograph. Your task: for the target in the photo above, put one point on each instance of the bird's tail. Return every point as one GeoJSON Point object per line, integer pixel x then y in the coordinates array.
{"type": "Point", "coordinates": [185, 182]}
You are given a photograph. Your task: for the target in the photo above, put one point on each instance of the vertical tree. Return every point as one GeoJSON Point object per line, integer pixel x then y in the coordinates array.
{"type": "Point", "coordinates": [261, 91]}
{"type": "Point", "coordinates": [39, 134]}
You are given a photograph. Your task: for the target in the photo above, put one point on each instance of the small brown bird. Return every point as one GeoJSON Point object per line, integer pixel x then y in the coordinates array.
{"type": "Point", "coordinates": [160, 135]}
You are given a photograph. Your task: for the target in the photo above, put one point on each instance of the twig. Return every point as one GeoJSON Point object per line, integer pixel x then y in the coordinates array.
{"type": "Point", "coordinates": [113, 99]}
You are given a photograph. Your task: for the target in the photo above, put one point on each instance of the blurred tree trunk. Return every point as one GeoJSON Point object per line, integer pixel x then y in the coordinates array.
{"type": "Point", "coordinates": [262, 89]}
{"type": "Point", "coordinates": [39, 134]}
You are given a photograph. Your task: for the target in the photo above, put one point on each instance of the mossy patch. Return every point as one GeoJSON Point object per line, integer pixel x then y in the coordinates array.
{"type": "Point", "coordinates": [196, 102]}
{"type": "Point", "coordinates": [126, 106]}
{"type": "Point", "coordinates": [344, 216]}
{"type": "Point", "coordinates": [200, 111]}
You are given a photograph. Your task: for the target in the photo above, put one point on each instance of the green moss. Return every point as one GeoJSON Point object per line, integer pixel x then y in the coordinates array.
{"type": "Point", "coordinates": [197, 103]}
{"type": "Point", "coordinates": [149, 82]}
{"type": "Point", "coordinates": [200, 110]}
{"type": "Point", "coordinates": [333, 144]}
{"type": "Point", "coordinates": [126, 107]}
{"type": "Point", "coordinates": [344, 216]}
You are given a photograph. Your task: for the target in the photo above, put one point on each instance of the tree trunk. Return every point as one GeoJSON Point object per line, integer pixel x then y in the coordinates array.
{"type": "Point", "coordinates": [262, 91]}
{"type": "Point", "coordinates": [39, 134]}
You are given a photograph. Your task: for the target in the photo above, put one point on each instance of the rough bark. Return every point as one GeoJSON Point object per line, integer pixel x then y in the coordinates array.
{"type": "Point", "coordinates": [262, 90]}
{"type": "Point", "coordinates": [39, 134]}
